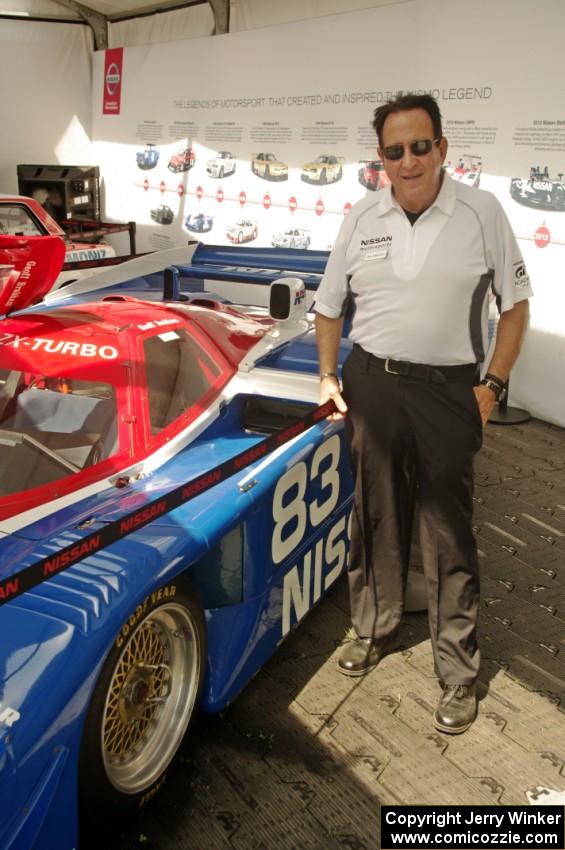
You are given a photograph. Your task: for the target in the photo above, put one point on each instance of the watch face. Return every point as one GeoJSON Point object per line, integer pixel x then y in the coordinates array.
{"type": "Point", "coordinates": [498, 390]}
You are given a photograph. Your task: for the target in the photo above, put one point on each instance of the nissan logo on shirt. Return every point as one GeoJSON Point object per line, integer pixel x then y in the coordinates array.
{"type": "Point", "coordinates": [375, 248]}
{"type": "Point", "coordinates": [375, 240]}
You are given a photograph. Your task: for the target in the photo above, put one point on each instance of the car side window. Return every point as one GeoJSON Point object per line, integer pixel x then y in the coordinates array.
{"type": "Point", "coordinates": [52, 427]}
{"type": "Point", "coordinates": [15, 220]}
{"type": "Point", "coordinates": [179, 372]}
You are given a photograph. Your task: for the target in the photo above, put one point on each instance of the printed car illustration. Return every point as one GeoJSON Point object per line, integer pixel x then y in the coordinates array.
{"type": "Point", "coordinates": [199, 222]}
{"type": "Point", "coordinates": [467, 170]}
{"type": "Point", "coordinates": [162, 214]}
{"type": "Point", "coordinates": [242, 231]}
{"type": "Point", "coordinates": [154, 549]}
{"type": "Point", "coordinates": [147, 158]}
{"type": "Point", "coordinates": [267, 165]}
{"type": "Point", "coordinates": [221, 165]}
{"type": "Point", "coordinates": [293, 238]}
{"type": "Point", "coordinates": [326, 168]}
{"type": "Point", "coordinates": [539, 190]}
{"type": "Point", "coordinates": [372, 175]}
{"type": "Point", "coordinates": [182, 160]}
{"type": "Point", "coordinates": [22, 216]}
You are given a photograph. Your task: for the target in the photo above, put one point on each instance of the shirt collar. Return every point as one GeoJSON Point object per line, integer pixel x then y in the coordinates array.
{"type": "Point", "coordinates": [445, 201]}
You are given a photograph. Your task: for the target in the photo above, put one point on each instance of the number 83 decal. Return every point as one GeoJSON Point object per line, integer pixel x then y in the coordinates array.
{"type": "Point", "coordinates": [292, 509]}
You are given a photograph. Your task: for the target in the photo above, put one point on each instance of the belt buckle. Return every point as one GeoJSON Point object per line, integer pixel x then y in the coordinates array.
{"type": "Point", "coordinates": [390, 371]}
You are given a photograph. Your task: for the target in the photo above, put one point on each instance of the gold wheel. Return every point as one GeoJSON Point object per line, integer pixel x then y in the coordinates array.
{"type": "Point", "coordinates": [151, 697]}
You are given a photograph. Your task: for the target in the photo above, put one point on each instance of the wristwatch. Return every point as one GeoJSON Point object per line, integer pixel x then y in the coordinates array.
{"type": "Point", "coordinates": [496, 384]}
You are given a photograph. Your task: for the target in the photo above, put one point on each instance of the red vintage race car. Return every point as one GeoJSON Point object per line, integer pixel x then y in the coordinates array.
{"type": "Point", "coordinates": [23, 216]}
{"type": "Point", "coordinates": [373, 175]}
{"type": "Point", "coordinates": [182, 160]}
{"type": "Point", "coordinates": [467, 170]}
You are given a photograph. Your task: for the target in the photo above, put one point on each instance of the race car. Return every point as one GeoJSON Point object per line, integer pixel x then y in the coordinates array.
{"type": "Point", "coordinates": [467, 170]}
{"type": "Point", "coordinates": [539, 190]}
{"type": "Point", "coordinates": [199, 223]}
{"type": "Point", "coordinates": [23, 216]}
{"type": "Point", "coordinates": [148, 158]}
{"type": "Point", "coordinates": [173, 502]}
{"type": "Point", "coordinates": [221, 165]}
{"type": "Point", "coordinates": [182, 160]}
{"type": "Point", "coordinates": [242, 231]}
{"type": "Point", "coordinates": [162, 214]}
{"type": "Point", "coordinates": [326, 168]}
{"type": "Point", "coordinates": [267, 165]}
{"type": "Point", "coordinates": [372, 175]}
{"type": "Point", "coordinates": [293, 238]}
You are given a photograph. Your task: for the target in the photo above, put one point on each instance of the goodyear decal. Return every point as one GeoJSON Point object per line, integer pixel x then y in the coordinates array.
{"type": "Point", "coordinates": [39, 571]}
{"type": "Point", "coordinates": [167, 592]}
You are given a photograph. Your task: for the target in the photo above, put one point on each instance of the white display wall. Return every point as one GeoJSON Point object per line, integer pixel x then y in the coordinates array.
{"type": "Point", "coordinates": [308, 89]}
{"type": "Point", "coordinates": [45, 97]}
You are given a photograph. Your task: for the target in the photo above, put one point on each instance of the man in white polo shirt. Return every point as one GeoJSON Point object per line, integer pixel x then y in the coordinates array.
{"type": "Point", "coordinates": [414, 265]}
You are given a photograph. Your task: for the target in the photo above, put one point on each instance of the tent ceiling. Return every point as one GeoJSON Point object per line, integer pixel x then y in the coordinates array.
{"type": "Point", "coordinates": [99, 13]}
{"type": "Point", "coordinates": [111, 9]}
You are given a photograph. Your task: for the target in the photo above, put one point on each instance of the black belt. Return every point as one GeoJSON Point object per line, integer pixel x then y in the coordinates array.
{"type": "Point", "coordinates": [417, 371]}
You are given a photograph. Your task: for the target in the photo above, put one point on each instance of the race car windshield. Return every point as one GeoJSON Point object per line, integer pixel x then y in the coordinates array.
{"type": "Point", "coordinates": [52, 427]}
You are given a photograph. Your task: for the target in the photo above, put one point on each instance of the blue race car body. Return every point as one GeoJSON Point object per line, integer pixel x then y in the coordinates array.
{"type": "Point", "coordinates": [163, 523]}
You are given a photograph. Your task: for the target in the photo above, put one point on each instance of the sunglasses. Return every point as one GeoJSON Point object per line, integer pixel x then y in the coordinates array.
{"type": "Point", "coordinates": [419, 148]}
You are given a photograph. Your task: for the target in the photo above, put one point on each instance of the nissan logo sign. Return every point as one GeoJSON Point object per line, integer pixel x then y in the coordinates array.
{"type": "Point", "coordinates": [112, 78]}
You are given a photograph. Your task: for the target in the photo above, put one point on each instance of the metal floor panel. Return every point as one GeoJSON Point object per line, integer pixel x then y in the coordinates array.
{"type": "Point", "coordinates": [305, 757]}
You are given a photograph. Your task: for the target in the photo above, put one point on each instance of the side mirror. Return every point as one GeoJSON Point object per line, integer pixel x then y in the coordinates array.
{"type": "Point", "coordinates": [287, 299]}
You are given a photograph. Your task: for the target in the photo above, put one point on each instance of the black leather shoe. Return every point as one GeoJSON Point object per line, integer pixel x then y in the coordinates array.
{"type": "Point", "coordinates": [457, 709]}
{"type": "Point", "coordinates": [361, 655]}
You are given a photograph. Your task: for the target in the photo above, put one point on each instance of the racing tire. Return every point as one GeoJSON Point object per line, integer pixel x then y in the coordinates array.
{"type": "Point", "coordinates": [559, 198]}
{"type": "Point", "coordinates": [292, 244]}
{"type": "Point", "coordinates": [145, 697]}
{"type": "Point", "coordinates": [221, 172]}
{"type": "Point", "coordinates": [307, 243]}
{"type": "Point", "coordinates": [267, 174]}
{"type": "Point", "coordinates": [339, 175]}
{"type": "Point", "coordinates": [323, 177]}
{"type": "Point", "coordinates": [240, 237]}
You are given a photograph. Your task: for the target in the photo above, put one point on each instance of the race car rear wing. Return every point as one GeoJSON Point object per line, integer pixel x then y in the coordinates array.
{"type": "Point", "coordinates": [245, 265]}
{"type": "Point", "coordinates": [172, 271]}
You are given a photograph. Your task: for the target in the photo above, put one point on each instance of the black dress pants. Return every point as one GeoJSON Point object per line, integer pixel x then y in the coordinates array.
{"type": "Point", "coordinates": [438, 427]}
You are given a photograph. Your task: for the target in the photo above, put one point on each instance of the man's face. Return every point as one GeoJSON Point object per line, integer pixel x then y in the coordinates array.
{"type": "Point", "coordinates": [416, 180]}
